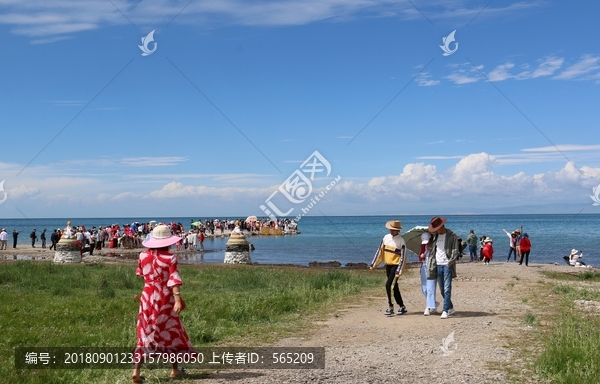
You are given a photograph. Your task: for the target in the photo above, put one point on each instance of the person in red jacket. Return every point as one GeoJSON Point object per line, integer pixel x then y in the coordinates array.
{"type": "Point", "coordinates": [525, 245]}
{"type": "Point", "coordinates": [488, 251]}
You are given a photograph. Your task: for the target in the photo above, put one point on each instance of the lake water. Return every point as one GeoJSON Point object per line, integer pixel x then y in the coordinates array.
{"type": "Point", "coordinates": [356, 238]}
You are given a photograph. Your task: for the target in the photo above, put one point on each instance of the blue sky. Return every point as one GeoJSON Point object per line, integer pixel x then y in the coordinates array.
{"type": "Point", "coordinates": [238, 94]}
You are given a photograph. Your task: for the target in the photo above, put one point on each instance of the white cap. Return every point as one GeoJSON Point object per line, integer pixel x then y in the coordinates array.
{"type": "Point", "coordinates": [425, 236]}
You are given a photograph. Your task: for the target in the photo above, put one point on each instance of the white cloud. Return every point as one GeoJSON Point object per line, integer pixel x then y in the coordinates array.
{"type": "Point", "coordinates": [548, 66]}
{"type": "Point", "coordinates": [41, 18]}
{"type": "Point", "coordinates": [585, 65]}
{"type": "Point", "coordinates": [22, 191]}
{"type": "Point", "coordinates": [424, 80]}
{"type": "Point", "coordinates": [177, 189]}
{"type": "Point", "coordinates": [152, 161]}
{"type": "Point", "coordinates": [563, 148]}
{"type": "Point", "coordinates": [472, 180]}
{"type": "Point", "coordinates": [462, 78]}
{"type": "Point", "coordinates": [500, 73]}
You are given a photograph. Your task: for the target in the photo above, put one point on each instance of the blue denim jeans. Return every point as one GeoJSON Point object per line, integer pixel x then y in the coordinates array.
{"type": "Point", "coordinates": [444, 277]}
{"type": "Point", "coordinates": [473, 252]}
{"type": "Point", "coordinates": [427, 287]}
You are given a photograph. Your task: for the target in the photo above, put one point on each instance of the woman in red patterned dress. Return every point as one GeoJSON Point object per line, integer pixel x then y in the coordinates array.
{"type": "Point", "coordinates": [159, 328]}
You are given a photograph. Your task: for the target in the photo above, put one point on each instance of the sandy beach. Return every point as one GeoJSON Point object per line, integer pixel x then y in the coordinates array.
{"type": "Point", "coordinates": [364, 346]}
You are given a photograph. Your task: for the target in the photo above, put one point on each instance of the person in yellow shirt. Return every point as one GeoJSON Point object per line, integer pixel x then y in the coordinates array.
{"type": "Point", "coordinates": [392, 251]}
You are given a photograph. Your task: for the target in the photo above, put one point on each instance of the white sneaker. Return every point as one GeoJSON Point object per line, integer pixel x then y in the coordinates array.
{"type": "Point", "coordinates": [451, 311]}
{"type": "Point", "coordinates": [444, 315]}
{"type": "Point", "coordinates": [426, 313]}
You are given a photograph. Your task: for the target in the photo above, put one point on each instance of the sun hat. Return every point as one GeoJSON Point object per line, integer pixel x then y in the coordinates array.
{"type": "Point", "coordinates": [574, 251]}
{"type": "Point", "coordinates": [436, 223]}
{"type": "Point", "coordinates": [425, 236]}
{"type": "Point", "coordinates": [395, 225]}
{"type": "Point", "coordinates": [488, 240]}
{"type": "Point", "coordinates": [160, 237]}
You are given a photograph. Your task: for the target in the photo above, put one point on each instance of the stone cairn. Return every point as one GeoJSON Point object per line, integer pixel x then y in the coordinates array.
{"type": "Point", "coordinates": [237, 249]}
{"type": "Point", "coordinates": [68, 249]}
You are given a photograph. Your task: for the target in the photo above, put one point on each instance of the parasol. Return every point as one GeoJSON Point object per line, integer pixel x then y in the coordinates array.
{"type": "Point", "coordinates": [251, 218]}
{"type": "Point", "coordinates": [196, 224]}
{"type": "Point", "coordinates": [412, 238]}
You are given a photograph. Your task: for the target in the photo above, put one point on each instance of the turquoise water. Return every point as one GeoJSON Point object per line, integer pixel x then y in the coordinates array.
{"type": "Point", "coordinates": [355, 238]}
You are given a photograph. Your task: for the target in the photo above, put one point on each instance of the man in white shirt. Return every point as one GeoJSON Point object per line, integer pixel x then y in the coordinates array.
{"type": "Point", "coordinates": [3, 239]}
{"type": "Point", "coordinates": [442, 263]}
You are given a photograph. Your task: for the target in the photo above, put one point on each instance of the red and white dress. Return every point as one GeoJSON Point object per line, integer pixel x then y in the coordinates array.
{"type": "Point", "coordinates": [159, 329]}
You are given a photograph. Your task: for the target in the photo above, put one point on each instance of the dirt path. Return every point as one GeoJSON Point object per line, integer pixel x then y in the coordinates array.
{"type": "Point", "coordinates": [364, 346]}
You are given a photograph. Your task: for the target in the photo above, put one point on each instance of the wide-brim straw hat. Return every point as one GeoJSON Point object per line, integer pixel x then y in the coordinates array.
{"type": "Point", "coordinates": [574, 252]}
{"type": "Point", "coordinates": [488, 240]}
{"type": "Point", "coordinates": [394, 225]}
{"type": "Point", "coordinates": [436, 223]}
{"type": "Point", "coordinates": [160, 237]}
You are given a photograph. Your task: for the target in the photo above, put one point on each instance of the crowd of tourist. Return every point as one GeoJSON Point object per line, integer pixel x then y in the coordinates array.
{"type": "Point", "coordinates": [132, 235]}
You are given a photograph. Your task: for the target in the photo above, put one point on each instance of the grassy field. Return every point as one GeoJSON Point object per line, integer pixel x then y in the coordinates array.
{"type": "Point", "coordinates": [48, 305]}
{"type": "Point", "coordinates": [571, 348]}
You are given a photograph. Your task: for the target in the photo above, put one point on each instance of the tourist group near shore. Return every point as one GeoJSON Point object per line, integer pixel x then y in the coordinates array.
{"type": "Point", "coordinates": [439, 250]}
{"type": "Point", "coordinates": [131, 235]}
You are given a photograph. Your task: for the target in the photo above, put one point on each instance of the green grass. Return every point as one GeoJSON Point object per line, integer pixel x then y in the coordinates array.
{"type": "Point", "coordinates": [44, 304]}
{"type": "Point", "coordinates": [571, 352]}
{"type": "Point", "coordinates": [529, 318]}
{"type": "Point", "coordinates": [585, 275]}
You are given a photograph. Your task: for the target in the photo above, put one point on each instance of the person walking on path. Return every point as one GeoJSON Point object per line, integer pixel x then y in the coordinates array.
{"type": "Point", "coordinates": [159, 328]}
{"type": "Point", "coordinates": [525, 245]}
{"type": "Point", "coordinates": [488, 251]}
{"type": "Point", "coordinates": [442, 264]}
{"type": "Point", "coordinates": [472, 243]}
{"type": "Point", "coordinates": [33, 237]}
{"type": "Point", "coordinates": [427, 286]}
{"type": "Point", "coordinates": [54, 237]}
{"type": "Point", "coordinates": [512, 242]}
{"type": "Point", "coordinates": [392, 251]}
{"type": "Point", "coordinates": [43, 238]}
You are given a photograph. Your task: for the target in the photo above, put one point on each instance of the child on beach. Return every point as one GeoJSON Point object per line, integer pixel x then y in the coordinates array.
{"type": "Point", "coordinates": [488, 251]}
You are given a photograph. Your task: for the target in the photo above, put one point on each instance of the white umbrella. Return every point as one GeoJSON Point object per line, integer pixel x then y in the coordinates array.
{"type": "Point", "coordinates": [412, 238]}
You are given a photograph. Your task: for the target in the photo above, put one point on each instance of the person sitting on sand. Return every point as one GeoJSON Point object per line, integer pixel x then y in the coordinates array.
{"type": "Point", "coordinates": [575, 259]}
